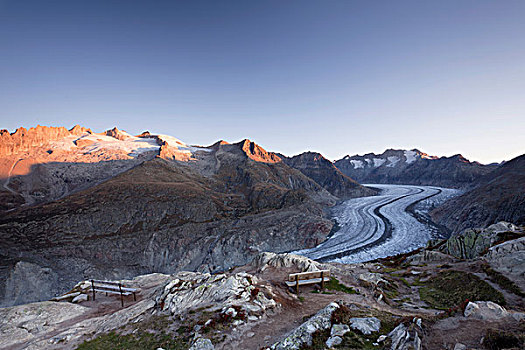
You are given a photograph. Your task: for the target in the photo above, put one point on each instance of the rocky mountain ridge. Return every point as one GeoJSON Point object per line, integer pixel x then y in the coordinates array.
{"type": "Point", "coordinates": [326, 174]}
{"type": "Point", "coordinates": [114, 205]}
{"type": "Point", "coordinates": [499, 195]}
{"type": "Point", "coordinates": [413, 167]}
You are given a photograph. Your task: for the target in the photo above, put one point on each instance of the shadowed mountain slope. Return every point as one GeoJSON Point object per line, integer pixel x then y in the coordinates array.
{"type": "Point", "coordinates": [499, 196]}
{"type": "Point", "coordinates": [326, 174]}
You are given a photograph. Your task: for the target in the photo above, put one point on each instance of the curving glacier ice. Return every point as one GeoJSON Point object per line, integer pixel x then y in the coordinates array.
{"type": "Point", "coordinates": [391, 223]}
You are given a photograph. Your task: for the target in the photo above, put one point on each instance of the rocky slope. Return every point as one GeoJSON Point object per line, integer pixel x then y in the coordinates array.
{"type": "Point", "coordinates": [155, 205]}
{"type": "Point", "coordinates": [427, 299]}
{"type": "Point", "coordinates": [500, 195]}
{"type": "Point", "coordinates": [413, 168]}
{"type": "Point", "coordinates": [326, 174]}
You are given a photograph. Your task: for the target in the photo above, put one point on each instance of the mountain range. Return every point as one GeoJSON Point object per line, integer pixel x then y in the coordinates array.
{"type": "Point", "coordinates": [413, 167]}
{"type": "Point", "coordinates": [77, 204]}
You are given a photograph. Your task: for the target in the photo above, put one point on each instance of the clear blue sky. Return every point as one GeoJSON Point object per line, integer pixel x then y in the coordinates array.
{"type": "Point", "coordinates": [338, 77]}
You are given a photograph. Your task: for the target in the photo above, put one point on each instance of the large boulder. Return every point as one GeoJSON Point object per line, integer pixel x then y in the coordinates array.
{"type": "Point", "coordinates": [487, 310]}
{"type": "Point", "coordinates": [473, 243]}
{"type": "Point", "coordinates": [285, 260]}
{"type": "Point", "coordinates": [366, 325]}
{"type": "Point", "coordinates": [192, 290]}
{"type": "Point", "coordinates": [405, 337]}
{"type": "Point", "coordinates": [25, 323]}
{"type": "Point", "coordinates": [430, 256]}
{"type": "Point", "coordinates": [303, 334]}
{"type": "Point", "coordinates": [202, 344]}
{"type": "Point", "coordinates": [508, 258]}
{"type": "Point", "coordinates": [28, 282]}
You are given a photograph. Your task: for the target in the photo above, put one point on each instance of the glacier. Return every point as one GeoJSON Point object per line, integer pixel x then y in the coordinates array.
{"type": "Point", "coordinates": [395, 221]}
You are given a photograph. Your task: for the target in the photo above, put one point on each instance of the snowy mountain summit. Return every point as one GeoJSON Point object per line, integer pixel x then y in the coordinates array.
{"type": "Point", "coordinates": [412, 167]}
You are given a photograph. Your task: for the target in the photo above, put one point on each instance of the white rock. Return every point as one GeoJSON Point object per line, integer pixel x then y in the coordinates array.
{"type": "Point", "coordinates": [365, 325]}
{"type": "Point", "coordinates": [333, 341]}
{"type": "Point", "coordinates": [265, 259]}
{"type": "Point", "coordinates": [460, 346]}
{"type": "Point", "coordinates": [80, 298]}
{"type": "Point", "coordinates": [372, 278]}
{"type": "Point", "coordinates": [202, 344]}
{"type": "Point", "coordinates": [303, 334]}
{"type": "Point", "coordinates": [66, 296]}
{"type": "Point", "coordinates": [381, 338]}
{"type": "Point", "coordinates": [485, 310]}
{"type": "Point", "coordinates": [339, 330]}
{"type": "Point", "coordinates": [231, 312]}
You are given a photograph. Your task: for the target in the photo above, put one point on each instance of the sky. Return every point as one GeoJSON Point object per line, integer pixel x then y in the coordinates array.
{"type": "Point", "coordinates": [336, 77]}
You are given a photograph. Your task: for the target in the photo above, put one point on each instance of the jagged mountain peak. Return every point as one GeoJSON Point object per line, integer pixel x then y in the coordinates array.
{"type": "Point", "coordinates": [326, 174]}
{"type": "Point", "coordinates": [117, 134]}
{"type": "Point", "coordinates": [79, 130]}
{"type": "Point", "coordinates": [256, 152]}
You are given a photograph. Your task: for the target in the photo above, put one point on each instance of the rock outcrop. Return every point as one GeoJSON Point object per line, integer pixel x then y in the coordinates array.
{"type": "Point", "coordinates": [302, 335]}
{"type": "Point", "coordinates": [287, 260]}
{"type": "Point", "coordinates": [473, 243]}
{"type": "Point", "coordinates": [229, 294]}
{"type": "Point", "coordinates": [487, 310]}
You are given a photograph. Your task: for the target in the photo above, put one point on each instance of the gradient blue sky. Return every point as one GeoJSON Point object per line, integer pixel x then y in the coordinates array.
{"type": "Point", "coordinates": [338, 77]}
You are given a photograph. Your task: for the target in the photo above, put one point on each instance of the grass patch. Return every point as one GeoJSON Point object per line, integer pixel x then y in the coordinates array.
{"type": "Point", "coordinates": [503, 281]}
{"type": "Point", "coordinates": [135, 341]}
{"type": "Point", "coordinates": [498, 339]}
{"type": "Point", "coordinates": [404, 281]}
{"type": "Point", "coordinates": [451, 288]}
{"type": "Point", "coordinates": [334, 284]}
{"type": "Point", "coordinates": [319, 338]}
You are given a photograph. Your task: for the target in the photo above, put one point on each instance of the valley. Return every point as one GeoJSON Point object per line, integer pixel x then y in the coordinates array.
{"type": "Point", "coordinates": [390, 223]}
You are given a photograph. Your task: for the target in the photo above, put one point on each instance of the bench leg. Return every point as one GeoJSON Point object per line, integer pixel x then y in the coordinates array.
{"type": "Point", "coordinates": [121, 296]}
{"type": "Point", "coordinates": [134, 296]}
{"type": "Point", "coordinates": [297, 285]}
{"type": "Point", "coordinates": [93, 287]}
{"type": "Point", "coordinates": [322, 280]}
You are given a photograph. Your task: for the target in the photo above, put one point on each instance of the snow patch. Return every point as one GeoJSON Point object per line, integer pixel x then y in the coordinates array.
{"type": "Point", "coordinates": [357, 164]}
{"type": "Point", "coordinates": [410, 156]}
{"type": "Point", "coordinates": [393, 161]}
{"type": "Point", "coordinates": [378, 162]}
{"type": "Point", "coordinates": [132, 145]}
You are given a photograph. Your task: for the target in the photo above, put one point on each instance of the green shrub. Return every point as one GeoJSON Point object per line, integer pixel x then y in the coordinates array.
{"type": "Point", "coordinates": [451, 288]}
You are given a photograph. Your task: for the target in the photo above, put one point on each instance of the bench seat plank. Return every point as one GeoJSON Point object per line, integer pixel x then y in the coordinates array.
{"type": "Point", "coordinates": [308, 275]}
{"type": "Point", "coordinates": [116, 288]}
{"type": "Point", "coordinates": [111, 291]}
{"type": "Point", "coordinates": [305, 282]}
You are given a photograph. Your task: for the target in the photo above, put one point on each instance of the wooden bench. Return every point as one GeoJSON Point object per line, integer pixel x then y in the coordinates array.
{"type": "Point", "coordinates": [305, 278]}
{"type": "Point", "coordinates": [113, 288]}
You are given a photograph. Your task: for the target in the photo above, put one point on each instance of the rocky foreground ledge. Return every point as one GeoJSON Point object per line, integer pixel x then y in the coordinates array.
{"type": "Point", "coordinates": [463, 293]}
